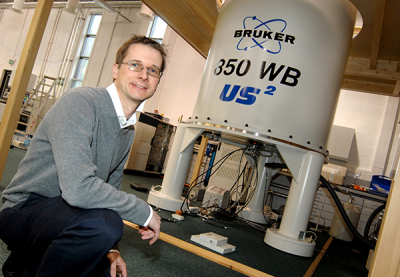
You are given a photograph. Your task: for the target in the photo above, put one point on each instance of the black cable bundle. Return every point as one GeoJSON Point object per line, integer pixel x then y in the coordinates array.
{"type": "Point", "coordinates": [344, 214]}
{"type": "Point", "coordinates": [218, 164]}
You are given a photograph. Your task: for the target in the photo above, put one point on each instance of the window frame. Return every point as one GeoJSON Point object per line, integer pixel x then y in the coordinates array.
{"type": "Point", "coordinates": [156, 23]}
{"type": "Point", "coordinates": [78, 68]}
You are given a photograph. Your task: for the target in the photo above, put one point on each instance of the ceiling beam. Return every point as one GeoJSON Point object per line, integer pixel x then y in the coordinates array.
{"type": "Point", "coordinates": [17, 93]}
{"type": "Point", "coordinates": [194, 21]}
{"type": "Point", "coordinates": [382, 80]}
{"type": "Point", "coordinates": [369, 84]}
{"type": "Point", "coordinates": [398, 66]}
{"type": "Point", "coordinates": [384, 69]}
{"type": "Point", "coordinates": [377, 32]}
{"type": "Point", "coordinates": [396, 91]}
{"type": "Point", "coordinates": [200, 11]}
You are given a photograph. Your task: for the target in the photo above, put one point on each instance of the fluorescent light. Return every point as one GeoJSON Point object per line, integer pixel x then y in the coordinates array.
{"type": "Point", "coordinates": [105, 6]}
{"type": "Point", "coordinates": [110, 9]}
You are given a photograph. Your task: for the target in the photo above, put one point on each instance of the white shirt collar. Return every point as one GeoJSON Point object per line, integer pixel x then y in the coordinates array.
{"type": "Point", "coordinates": [123, 122]}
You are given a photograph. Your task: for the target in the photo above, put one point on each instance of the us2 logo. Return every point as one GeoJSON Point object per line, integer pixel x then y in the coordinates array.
{"type": "Point", "coordinates": [247, 95]}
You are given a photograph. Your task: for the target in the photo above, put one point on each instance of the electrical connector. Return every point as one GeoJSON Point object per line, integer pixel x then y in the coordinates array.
{"type": "Point", "coordinates": [178, 215]}
{"type": "Point", "coordinates": [194, 209]}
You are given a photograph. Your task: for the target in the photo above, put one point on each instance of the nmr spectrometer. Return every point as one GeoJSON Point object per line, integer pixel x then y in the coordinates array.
{"type": "Point", "coordinates": [273, 76]}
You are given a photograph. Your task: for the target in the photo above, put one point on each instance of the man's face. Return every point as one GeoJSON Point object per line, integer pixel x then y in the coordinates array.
{"type": "Point", "coordinates": [135, 87]}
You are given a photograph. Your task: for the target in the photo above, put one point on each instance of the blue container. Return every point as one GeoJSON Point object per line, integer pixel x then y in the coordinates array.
{"type": "Point", "coordinates": [380, 185]}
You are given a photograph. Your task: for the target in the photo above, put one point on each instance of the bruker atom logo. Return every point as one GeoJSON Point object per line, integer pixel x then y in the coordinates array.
{"type": "Point", "coordinates": [267, 35]}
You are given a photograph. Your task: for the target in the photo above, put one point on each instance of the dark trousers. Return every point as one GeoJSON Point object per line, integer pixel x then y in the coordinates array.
{"type": "Point", "coordinates": [56, 239]}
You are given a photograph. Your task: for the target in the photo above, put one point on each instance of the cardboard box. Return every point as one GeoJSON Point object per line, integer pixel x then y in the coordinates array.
{"type": "Point", "coordinates": [334, 173]}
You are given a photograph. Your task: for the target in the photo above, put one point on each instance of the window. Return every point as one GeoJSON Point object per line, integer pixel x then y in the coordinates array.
{"type": "Point", "coordinates": [158, 29]}
{"type": "Point", "coordinates": [80, 70]}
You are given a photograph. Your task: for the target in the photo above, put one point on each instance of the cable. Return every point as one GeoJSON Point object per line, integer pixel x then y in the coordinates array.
{"type": "Point", "coordinates": [370, 219]}
{"type": "Point", "coordinates": [254, 225]}
{"type": "Point", "coordinates": [313, 234]}
{"type": "Point", "coordinates": [276, 165]}
{"type": "Point", "coordinates": [245, 189]}
{"type": "Point", "coordinates": [265, 203]}
{"type": "Point", "coordinates": [343, 213]}
{"type": "Point", "coordinates": [248, 185]}
{"type": "Point", "coordinates": [168, 219]}
{"type": "Point", "coordinates": [235, 188]}
{"type": "Point", "coordinates": [206, 221]}
{"type": "Point", "coordinates": [251, 193]}
{"type": "Point", "coordinates": [219, 163]}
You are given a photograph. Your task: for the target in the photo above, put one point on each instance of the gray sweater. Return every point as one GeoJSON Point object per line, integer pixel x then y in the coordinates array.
{"type": "Point", "coordinates": [79, 151]}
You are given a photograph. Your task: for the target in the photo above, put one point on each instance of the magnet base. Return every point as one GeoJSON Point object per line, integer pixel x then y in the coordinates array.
{"type": "Point", "coordinates": [286, 244]}
{"type": "Point", "coordinates": [159, 200]}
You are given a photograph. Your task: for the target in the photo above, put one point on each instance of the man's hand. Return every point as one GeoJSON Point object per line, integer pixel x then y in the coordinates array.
{"type": "Point", "coordinates": [118, 266]}
{"type": "Point", "coordinates": [152, 231]}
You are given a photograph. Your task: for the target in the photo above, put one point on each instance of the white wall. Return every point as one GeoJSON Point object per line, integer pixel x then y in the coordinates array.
{"type": "Point", "coordinates": [177, 92]}
{"type": "Point", "coordinates": [14, 28]}
{"type": "Point", "coordinates": [113, 31]}
{"type": "Point", "coordinates": [393, 158]}
{"type": "Point", "coordinates": [373, 117]}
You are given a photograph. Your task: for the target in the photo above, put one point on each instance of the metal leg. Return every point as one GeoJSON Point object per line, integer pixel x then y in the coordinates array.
{"type": "Point", "coordinates": [169, 197]}
{"type": "Point", "coordinates": [290, 237]}
{"type": "Point", "coordinates": [255, 209]}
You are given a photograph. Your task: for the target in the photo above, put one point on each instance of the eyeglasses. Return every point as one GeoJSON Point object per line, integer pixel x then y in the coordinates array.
{"type": "Point", "coordinates": [138, 67]}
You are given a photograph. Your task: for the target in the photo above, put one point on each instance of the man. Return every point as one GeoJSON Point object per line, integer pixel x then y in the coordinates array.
{"type": "Point", "coordinates": [62, 212]}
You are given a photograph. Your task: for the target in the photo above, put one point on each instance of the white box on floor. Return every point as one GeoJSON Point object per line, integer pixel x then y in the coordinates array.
{"type": "Point", "coordinates": [214, 238]}
{"type": "Point", "coordinates": [214, 242]}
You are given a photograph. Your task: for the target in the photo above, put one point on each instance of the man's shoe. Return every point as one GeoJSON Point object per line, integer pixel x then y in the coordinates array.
{"type": "Point", "coordinates": [14, 266]}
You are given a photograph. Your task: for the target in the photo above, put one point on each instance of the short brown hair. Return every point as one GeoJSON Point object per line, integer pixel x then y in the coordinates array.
{"type": "Point", "coordinates": [136, 39]}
